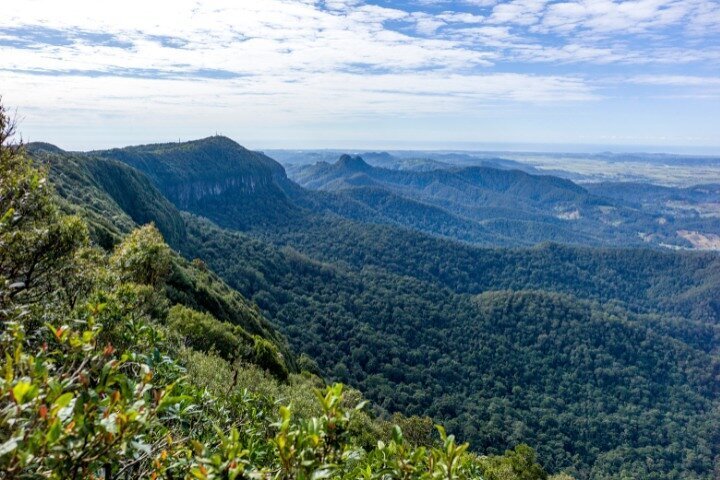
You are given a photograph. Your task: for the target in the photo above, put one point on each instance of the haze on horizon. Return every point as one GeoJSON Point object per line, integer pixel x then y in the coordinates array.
{"type": "Point", "coordinates": [641, 74]}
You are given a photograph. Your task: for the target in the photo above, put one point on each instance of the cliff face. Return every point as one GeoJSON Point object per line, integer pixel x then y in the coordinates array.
{"type": "Point", "coordinates": [186, 194]}
{"type": "Point", "coordinates": [214, 177]}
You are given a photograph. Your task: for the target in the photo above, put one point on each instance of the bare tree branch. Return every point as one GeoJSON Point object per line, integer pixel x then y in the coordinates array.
{"type": "Point", "coordinates": [8, 129]}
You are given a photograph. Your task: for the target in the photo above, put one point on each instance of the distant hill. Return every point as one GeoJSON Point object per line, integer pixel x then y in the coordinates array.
{"type": "Point", "coordinates": [296, 159]}
{"type": "Point", "coordinates": [516, 207]}
{"type": "Point", "coordinates": [467, 185]}
{"type": "Point", "coordinates": [398, 160]}
{"type": "Point", "coordinates": [507, 206]}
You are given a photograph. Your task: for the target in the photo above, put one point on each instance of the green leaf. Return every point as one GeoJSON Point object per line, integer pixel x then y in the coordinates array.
{"type": "Point", "coordinates": [397, 435]}
{"type": "Point", "coordinates": [24, 391]}
{"type": "Point", "coordinates": [197, 473]}
{"type": "Point", "coordinates": [7, 216]}
{"type": "Point", "coordinates": [168, 401]}
{"type": "Point", "coordinates": [53, 433]}
{"type": "Point", "coordinates": [63, 400]}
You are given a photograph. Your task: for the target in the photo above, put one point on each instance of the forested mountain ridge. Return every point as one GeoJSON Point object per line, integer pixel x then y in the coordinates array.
{"type": "Point", "coordinates": [389, 310]}
{"type": "Point", "coordinates": [208, 174]}
{"type": "Point", "coordinates": [684, 283]}
{"type": "Point", "coordinates": [187, 172]}
{"type": "Point", "coordinates": [115, 199]}
{"type": "Point", "coordinates": [487, 205]}
{"type": "Point", "coordinates": [217, 178]}
{"type": "Point", "coordinates": [235, 185]}
{"type": "Point", "coordinates": [225, 193]}
{"type": "Point", "coordinates": [515, 207]}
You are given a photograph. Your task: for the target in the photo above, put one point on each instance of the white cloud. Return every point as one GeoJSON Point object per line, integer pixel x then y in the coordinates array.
{"type": "Point", "coordinates": [705, 18]}
{"type": "Point", "coordinates": [676, 80]}
{"type": "Point", "coordinates": [274, 46]}
{"type": "Point", "coordinates": [472, 3]}
{"type": "Point", "coordinates": [426, 24]}
{"type": "Point", "coordinates": [571, 53]}
{"type": "Point", "coordinates": [679, 87]}
{"type": "Point", "coordinates": [605, 16]}
{"type": "Point", "coordinates": [520, 12]}
{"type": "Point", "coordinates": [460, 17]}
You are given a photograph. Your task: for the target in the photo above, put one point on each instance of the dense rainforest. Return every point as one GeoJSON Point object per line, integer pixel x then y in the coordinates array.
{"type": "Point", "coordinates": [603, 360]}
{"type": "Point", "coordinates": [551, 369]}
{"type": "Point", "coordinates": [121, 359]}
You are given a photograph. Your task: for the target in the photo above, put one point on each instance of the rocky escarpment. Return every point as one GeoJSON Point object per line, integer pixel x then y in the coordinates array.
{"type": "Point", "coordinates": [242, 187]}
{"type": "Point", "coordinates": [185, 194]}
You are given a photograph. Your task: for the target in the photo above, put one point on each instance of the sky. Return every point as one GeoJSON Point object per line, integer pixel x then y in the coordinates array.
{"type": "Point", "coordinates": [444, 74]}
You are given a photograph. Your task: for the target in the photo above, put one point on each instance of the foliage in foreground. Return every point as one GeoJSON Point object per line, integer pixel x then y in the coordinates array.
{"type": "Point", "coordinates": [94, 383]}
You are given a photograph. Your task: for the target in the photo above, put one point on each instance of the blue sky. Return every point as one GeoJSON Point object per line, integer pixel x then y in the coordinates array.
{"type": "Point", "coordinates": [640, 74]}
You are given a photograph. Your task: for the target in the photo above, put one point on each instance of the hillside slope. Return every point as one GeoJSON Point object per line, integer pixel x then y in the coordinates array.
{"type": "Point", "coordinates": [114, 199]}
{"type": "Point", "coordinates": [499, 369]}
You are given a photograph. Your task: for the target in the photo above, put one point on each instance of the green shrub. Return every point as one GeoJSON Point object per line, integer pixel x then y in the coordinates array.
{"type": "Point", "coordinates": [267, 356]}
{"type": "Point", "coordinates": [143, 257]}
{"type": "Point", "coordinates": [205, 333]}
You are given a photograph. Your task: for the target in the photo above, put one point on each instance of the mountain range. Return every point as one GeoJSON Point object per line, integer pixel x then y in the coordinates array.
{"type": "Point", "coordinates": [504, 304]}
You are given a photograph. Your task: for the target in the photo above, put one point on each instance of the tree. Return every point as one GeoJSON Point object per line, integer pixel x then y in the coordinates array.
{"type": "Point", "coordinates": [35, 239]}
{"type": "Point", "coordinates": [143, 257]}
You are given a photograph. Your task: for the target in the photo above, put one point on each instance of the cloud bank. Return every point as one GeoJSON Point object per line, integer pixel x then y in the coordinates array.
{"type": "Point", "coordinates": [271, 63]}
